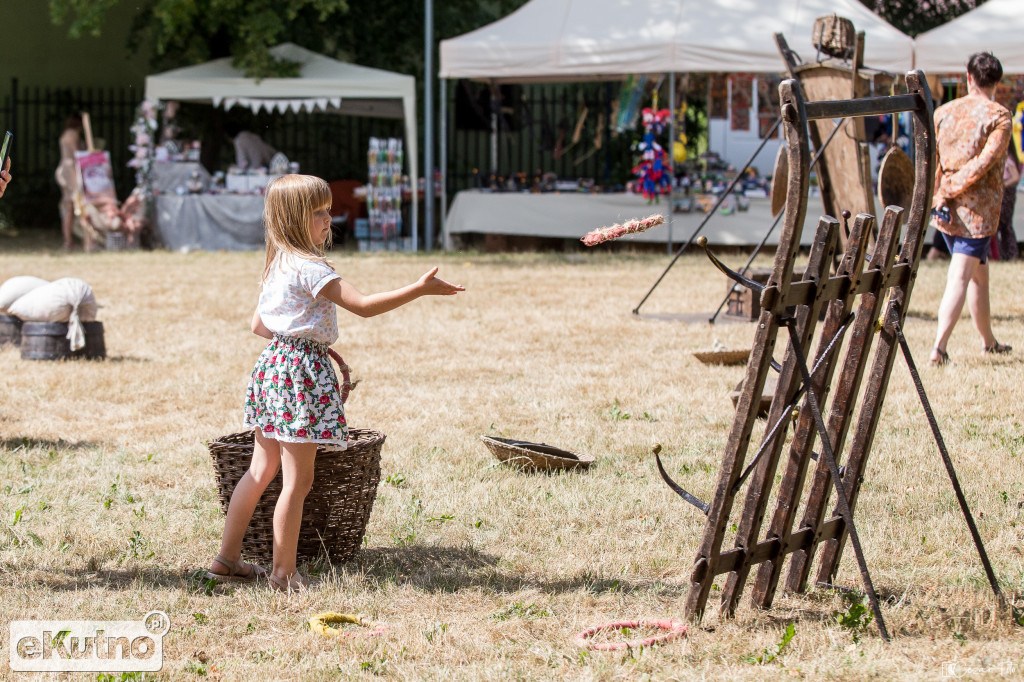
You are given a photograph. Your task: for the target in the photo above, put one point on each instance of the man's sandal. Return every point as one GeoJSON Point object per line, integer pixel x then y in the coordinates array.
{"type": "Point", "coordinates": [294, 583]}
{"type": "Point", "coordinates": [941, 360]}
{"type": "Point", "coordinates": [997, 349]}
{"type": "Point", "coordinates": [237, 571]}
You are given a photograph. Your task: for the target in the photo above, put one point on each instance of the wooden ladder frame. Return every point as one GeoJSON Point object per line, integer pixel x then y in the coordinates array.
{"type": "Point", "coordinates": [853, 298]}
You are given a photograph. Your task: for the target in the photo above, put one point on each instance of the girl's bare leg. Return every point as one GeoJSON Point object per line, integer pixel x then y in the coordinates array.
{"type": "Point", "coordinates": [266, 460]}
{"type": "Point", "coordinates": [296, 478]}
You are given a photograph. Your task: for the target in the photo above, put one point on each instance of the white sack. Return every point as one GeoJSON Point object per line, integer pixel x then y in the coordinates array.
{"type": "Point", "coordinates": [67, 300]}
{"type": "Point", "coordinates": [16, 287]}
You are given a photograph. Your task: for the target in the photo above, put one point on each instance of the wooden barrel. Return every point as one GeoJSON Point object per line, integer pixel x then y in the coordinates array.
{"type": "Point", "coordinates": [48, 341]}
{"type": "Point", "coordinates": [10, 329]}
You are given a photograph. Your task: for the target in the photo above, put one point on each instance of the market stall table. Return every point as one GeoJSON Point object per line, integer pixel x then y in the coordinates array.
{"type": "Point", "coordinates": [210, 222]}
{"type": "Point", "coordinates": [168, 176]}
{"type": "Point", "coordinates": [571, 215]}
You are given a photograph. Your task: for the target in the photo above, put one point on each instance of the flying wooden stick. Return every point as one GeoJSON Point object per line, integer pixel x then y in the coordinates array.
{"type": "Point", "coordinates": [607, 234]}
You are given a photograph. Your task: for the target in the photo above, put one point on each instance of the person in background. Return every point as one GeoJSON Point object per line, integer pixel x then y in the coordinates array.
{"type": "Point", "coordinates": [250, 150]}
{"type": "Point", "coordinates": [972, 134]}
{"type": "Point", "coordinates": [5, 176]}
{"type": "Point", "coordinates": [70, 142]}
{"type": "Point", "coordinates": [1004, 246]}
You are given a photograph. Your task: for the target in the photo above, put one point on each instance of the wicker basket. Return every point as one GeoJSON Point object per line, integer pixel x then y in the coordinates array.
{"type": "Point", "coordinates": [723, 357]}
{"type": "Point", "coordinates": [337, 508]}
{"type": "Point", "coordinates": [834, 35]}
{"type": "Point", "coordinates": [535, 456]}
{"type": "Point", "coordinates": [118, 241]}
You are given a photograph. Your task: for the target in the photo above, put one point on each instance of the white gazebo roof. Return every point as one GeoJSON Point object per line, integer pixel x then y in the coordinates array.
{"type": "Point", "coordinates": [996, 27]}
{"type": "Point", "coordinates": [576, 39]}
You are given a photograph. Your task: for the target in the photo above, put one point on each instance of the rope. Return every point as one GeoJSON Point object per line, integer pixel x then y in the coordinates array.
{"type": "Point", "coordinates": [673, 630]}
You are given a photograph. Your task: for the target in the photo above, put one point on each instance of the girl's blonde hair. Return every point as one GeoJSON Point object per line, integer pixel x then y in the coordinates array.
{"type": "Point", "coordinates": [288, 211]}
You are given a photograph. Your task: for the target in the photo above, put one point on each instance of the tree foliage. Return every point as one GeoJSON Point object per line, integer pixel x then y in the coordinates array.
{"type": "Point", "coordinates": [386, 35]}
{"type": "Point", "coordinates": [917, 16]}
{"type": "Point", "coordinates": [184, 32]}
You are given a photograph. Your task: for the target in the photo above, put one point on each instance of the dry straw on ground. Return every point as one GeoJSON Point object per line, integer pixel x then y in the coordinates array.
{"type": "Point", "coordinates": [108, 505]}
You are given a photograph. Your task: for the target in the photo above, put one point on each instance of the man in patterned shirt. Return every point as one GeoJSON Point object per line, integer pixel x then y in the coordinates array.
{"type": "Point", "coordinates": [972, 135]}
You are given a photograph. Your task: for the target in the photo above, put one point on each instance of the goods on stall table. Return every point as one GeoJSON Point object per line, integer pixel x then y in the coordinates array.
{"type": "Point", "coordinates": [384, 193]}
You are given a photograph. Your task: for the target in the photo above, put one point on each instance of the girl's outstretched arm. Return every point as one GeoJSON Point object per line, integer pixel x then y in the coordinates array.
{"type": "Point", "coordinates": [258, 328]}
{"type": "Point", "coordinates": [342, 293]}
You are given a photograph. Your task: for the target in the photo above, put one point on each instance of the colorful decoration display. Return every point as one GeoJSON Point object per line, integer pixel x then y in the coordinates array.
{"type": "Point", "coordinates": [137, 209]}
{"type": "Point", "coordinates": [384, 198]}
{"type": "Point", "coordinates": [1018, 124]}
{"type": "Point", "coordinates": [144, 134]}
{"type": "Point", "coordinates": [654, 169]}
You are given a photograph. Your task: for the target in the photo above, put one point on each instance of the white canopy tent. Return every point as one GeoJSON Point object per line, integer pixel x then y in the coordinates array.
{"type": "Point", "coordinates": [565, 40]}
{"type": "Point", "coordinates": [576, 39]}
{"type": "Point", "coordinates": [323, 83]}
{"type": "Point", "coordinates": [996, 27]}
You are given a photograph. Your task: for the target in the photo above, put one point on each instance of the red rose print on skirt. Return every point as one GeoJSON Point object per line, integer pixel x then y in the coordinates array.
{"type": "Point", "coordinates": [293, 395]}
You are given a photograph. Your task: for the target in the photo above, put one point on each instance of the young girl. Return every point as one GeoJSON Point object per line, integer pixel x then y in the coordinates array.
{"type": "Point", "coordinates": [293, 401]}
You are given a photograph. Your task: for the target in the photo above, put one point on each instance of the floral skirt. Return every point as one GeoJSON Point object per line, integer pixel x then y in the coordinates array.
{"type": "Point", "coordinates": [293, 394]}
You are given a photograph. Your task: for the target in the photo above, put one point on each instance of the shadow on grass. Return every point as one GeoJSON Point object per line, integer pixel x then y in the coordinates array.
{"type": "Point", "coordinates": [127, 358]}
{"type": "Point", "coordinates": [932, 316]}
{"type": "Point", "coordinates": [73, 580]}
{"type": "Point", "coordinates": [451, 569]}
{"type": "Point", "coordinates": [12, 445]}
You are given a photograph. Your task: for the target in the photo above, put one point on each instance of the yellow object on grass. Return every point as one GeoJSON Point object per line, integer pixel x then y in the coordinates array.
{"type": "Point", "coordinates": [321, 623]}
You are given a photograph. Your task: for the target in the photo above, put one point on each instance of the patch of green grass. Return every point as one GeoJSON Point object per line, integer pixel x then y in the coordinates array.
{"type": "Point", "coordinates": [769, 655]}
{"type": "Point", "coordinates": [520, 610]}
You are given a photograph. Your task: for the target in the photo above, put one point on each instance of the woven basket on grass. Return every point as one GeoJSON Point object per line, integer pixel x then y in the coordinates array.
{"type": "Point", "coordinates": [337, 507]}
{"type": "Point", "coordinates": [723, 357]}
{"type": "Point", "coordinates": [535, 456]}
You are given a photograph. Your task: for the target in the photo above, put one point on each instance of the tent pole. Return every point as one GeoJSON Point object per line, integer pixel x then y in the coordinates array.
{"type": "Point", "coordinates": [494, 128]}
{"type": "Point", "coordinates": [671, 155]}
{"type": "Point", "coordinates": [428, 123]}
{"type": "Point", "coordinates": [443, 163]}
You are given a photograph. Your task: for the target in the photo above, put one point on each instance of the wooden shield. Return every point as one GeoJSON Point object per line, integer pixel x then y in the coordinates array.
{"type": "Point", "coordinates": [896, 179]}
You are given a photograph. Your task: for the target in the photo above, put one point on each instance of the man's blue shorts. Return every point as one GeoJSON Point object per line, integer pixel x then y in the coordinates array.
{"type": "Point", "coordinates": [976, 247]}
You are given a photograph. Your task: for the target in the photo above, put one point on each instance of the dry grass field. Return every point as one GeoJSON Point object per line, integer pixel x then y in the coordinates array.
{"type": "Point", "coordinates": [108, 505]}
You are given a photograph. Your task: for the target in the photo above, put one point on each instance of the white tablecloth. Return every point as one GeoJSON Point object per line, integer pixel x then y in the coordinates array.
{"type": "Point", "coordinates": [210, 222]}
{"type": "Point", "coordinates": [168, 176]}
{"type": "Point", "coordinates": [572, 215]}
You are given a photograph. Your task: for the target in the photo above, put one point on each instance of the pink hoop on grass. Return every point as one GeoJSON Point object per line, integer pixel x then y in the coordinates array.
{"type": "Point", "coordinates": [673, 629]}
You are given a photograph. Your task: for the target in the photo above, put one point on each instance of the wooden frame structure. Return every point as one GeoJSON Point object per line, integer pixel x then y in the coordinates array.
{"type": "Point", "coordinates": [867, 296]}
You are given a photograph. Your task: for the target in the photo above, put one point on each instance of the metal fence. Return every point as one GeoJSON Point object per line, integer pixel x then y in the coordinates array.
{"type": "Point", "coordinates": [36, 116]}
{"type": "Point", "coordinates": [542, 128]}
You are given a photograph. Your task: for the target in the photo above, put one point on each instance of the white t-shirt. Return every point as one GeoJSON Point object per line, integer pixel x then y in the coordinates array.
{"type": "Point", "coordinates": [289, 305]}
{"type": "Point", "coordinates": [251, 151]}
